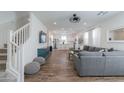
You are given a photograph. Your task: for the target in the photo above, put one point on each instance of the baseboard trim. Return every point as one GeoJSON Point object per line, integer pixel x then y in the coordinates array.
{"type": "Point", "coordinates": [13, 72]}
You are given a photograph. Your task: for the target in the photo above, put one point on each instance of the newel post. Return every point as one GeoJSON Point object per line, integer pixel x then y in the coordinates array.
{"type": "Point", "coordinates": [9, 50]}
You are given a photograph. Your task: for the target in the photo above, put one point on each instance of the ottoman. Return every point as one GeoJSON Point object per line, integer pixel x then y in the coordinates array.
{"type": "Point", "coordinates": [32, 68]}
{"type": "Point", "coordinates": [40, 60]}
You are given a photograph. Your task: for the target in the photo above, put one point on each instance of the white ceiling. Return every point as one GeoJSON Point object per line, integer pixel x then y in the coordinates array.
{"type": "Point", "coordinates": [62, 19]}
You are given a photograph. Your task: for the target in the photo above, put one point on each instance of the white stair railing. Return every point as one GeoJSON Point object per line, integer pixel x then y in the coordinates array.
{"type": "Point", "coordinates": [15, 51]}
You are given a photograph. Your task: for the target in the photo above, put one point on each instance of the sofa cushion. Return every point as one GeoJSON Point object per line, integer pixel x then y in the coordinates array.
{"type": "Point", "coordinates": [32, 68]}
{"type": "Point", "coordinates": [111, 49]}
{"type": "Point", "coordinates": [40, 60]}
{"type": "Point", "coordinates": [102, 49]}
{"type": "Point", "coordinates": [90, 54]}
{"type": "Point", "coordinates": [97, 49]}
{"type": "Point", "coordinates": [86, 48]}
{"type": "Point", "coordinates": [91, 48]}
{"type": "Point", "coordinates": [114, 53]}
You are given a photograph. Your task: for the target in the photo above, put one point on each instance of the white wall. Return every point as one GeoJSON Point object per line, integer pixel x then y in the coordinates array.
{"type": "Point", "coordinates": [110, 24]}
{"type": "Point", "coordinates": [92, 37]}
{"type": "Point", "coordinates": [96, 37]}
{"type": "Point", "coordinates": [22, 18]}
{"type": "Point", "coordinates": [7, 23]}
{"type": "Point", "coordinates": [11, 21]}
{"type": "Point", "coordinates": [6, 17]}
{"type": "Point", "coordinates": [30, 47]}
{"type": "Point", "coordinates": [70, 38]}
{"type": "Point", "coordinates": [100, 39]}
{"type": "Point", "coordinates": [4, 32]}
{"type": "Point", "coordinates": [86, 38]}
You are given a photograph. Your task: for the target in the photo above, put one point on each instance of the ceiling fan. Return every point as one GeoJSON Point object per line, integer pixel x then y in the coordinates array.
{"type": "Point", "coordinates": [75, 19]}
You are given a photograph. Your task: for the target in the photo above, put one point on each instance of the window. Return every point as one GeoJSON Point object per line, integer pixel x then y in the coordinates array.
{"type": "Point", "coordinates": [64, 39]}
{"type": "Point", "coordinates": [86, 38]}
{"type": "Point", "coordinates": [96, 37]}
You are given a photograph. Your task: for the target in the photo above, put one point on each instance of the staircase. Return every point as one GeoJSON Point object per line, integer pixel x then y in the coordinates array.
{"type": "Point", "coordinates": [11, 56]}
{"type": "Point", "coordinates": [4, 76]}
{"type": "Point", "coordinates": [3, 59]}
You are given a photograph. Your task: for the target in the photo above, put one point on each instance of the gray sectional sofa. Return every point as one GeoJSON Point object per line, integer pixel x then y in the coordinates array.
{"type": "Point", "coordinates": [97, 63]}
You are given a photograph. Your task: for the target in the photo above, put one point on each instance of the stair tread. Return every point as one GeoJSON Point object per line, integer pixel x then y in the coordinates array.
{"type": "Point", "coordinates": [2, 54]}
{"type": "Point", "coordinates": [3, 48]}
{"type": "Point", "coordinates": [3, 61]}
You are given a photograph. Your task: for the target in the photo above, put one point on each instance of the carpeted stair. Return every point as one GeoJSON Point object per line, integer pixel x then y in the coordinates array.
{"type": "Point", "coordinates": [3, 58]}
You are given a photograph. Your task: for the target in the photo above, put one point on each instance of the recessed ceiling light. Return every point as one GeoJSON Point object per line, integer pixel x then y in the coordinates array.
{"type": "Point", "coordinates": [54, 23]}
{"type": "Point", "coordinates": [85, 23]}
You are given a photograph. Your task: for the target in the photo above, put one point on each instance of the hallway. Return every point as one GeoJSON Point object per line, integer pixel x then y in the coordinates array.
{"type": "Point", "coordinates": [59, 69]}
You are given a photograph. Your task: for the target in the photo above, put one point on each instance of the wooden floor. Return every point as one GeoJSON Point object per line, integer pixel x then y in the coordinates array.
{"type": "Point", "coordinates": [59, 69]}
